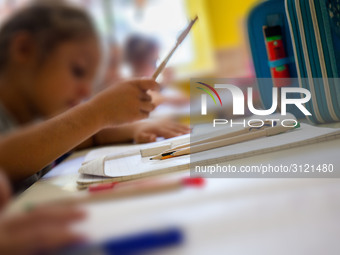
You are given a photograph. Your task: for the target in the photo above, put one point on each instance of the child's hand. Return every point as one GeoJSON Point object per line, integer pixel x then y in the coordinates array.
{"type": "Point", "coordinates": [148, 131]}
{"type": "Point", "coordinates": [124, 102]}
{"type": "Point", "coordinates": [140, 132]}
{"type": "Point", "coordinates": [41, 230]}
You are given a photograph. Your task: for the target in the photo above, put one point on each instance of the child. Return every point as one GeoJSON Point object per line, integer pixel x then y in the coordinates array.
{"type": "Point", "coordinates": [141, 54]}
{"type": "Point", "coordinates": [48, 62]}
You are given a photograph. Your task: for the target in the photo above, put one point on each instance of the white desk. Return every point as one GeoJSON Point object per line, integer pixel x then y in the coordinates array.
{"type": "Point", "coordinates": [227, 216]}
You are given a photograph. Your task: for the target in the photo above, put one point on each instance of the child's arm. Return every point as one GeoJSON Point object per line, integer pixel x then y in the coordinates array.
{"type": "Point", "coordinates": [28, 150]}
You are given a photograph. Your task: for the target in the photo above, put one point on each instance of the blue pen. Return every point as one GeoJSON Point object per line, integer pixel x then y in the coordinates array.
{"type": "Point", "coordinates": [135, 244]}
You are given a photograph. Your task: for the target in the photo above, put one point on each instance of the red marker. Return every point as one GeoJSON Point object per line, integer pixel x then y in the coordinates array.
{"type": "Point", "coordinates": [196, 182]}
{"type": "Point", "coordinates": [141, 185]}
{"type": "Point", "coordinates": [102, 186]}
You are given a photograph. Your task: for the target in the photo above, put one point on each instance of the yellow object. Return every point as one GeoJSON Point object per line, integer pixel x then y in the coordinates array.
{"type": "Point", "coordinates": [227, 20]}
{"type": "Point", "coordinates": [221, 25]}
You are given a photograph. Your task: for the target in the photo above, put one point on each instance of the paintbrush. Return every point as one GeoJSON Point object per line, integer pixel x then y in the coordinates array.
{"type": "Point", "coordinates": [180, 39]}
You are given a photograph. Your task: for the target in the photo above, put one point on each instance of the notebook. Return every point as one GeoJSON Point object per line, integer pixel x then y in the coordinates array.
{"type": "Point", "coordinates": [130, 165]}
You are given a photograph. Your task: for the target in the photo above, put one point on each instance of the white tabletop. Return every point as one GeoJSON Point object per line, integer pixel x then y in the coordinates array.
{"type": "Point", "coordinates": [227, 216]}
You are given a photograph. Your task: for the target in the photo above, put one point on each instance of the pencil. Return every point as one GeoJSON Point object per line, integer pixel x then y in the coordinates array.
{"type": "Point", "coordinates": [224, 142]}
{"type": "Point", "coordinates": [266, 124]}
{"type": "Point", "coordinates": [180, 39]}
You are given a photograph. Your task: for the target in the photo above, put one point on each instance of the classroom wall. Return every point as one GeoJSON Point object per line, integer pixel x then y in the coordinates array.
{"type": "Point", "coordinates": [228, 32]}
{"type": "Point", "coordinates": [226, 18]}
{"type": "Point", "coordinates": [220, 38]}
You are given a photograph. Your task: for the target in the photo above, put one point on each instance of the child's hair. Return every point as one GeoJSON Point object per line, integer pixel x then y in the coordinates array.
{"type": "Point", "coordinates": [49, 23]}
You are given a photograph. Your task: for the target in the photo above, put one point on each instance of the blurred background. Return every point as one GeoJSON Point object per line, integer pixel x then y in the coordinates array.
{"type": "Point", "coordinates": [138, 34]}
{"type": "Point", "coordinates": [217, 46]}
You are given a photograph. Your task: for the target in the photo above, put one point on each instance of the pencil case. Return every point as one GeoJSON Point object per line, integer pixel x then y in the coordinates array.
{"type": "Point", "coordinates": [311, 36]}
{"type": "Point", "coordinates": [270, 13]}
{"type": "Point", "coordinates": [315, 31]}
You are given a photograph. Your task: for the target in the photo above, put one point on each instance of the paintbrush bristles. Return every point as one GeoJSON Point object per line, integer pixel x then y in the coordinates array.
{"type": "Point", "coordinates": [186, 31]}
{"type": "Point", "coordinates": [178, 42]}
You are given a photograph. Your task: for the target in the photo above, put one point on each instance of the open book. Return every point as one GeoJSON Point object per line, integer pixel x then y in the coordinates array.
{"type": "Point", "coordinates": [106, 165]}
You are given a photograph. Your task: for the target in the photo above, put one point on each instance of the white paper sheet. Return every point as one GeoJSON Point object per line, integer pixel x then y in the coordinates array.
{"type": "Point", "coordinates": [134, 166]}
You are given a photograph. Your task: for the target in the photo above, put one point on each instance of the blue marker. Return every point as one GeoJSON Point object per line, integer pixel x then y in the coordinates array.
{"type": "Point", "coordinates": [135, 244]}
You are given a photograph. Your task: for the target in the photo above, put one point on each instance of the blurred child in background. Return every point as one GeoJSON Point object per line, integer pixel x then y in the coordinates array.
{"type": "Point", "coordinates": [48, 62]}
{"type": "Point", "coordinates": [141, 54]}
